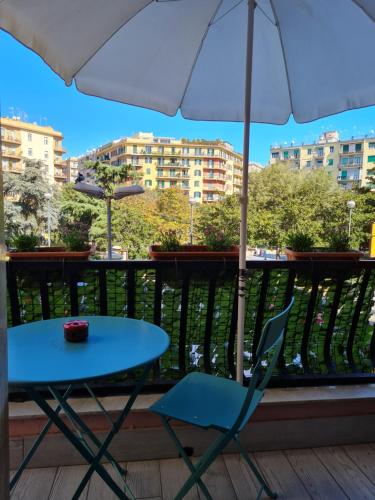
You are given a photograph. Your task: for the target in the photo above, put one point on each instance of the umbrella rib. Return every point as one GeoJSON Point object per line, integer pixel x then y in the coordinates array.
{"type": "Point", "coordinates": [198, 52]}
{"type": "Point", "coordinates": [107, 40]}
{"type": "Point", "coordinates": [364, 10]}
{"type": "Point", "coordinates": [277, 24]}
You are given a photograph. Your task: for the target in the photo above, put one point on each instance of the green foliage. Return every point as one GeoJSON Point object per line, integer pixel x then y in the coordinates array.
{"type": "Point", "coordinates": [216, 239]}
{"type": "Point", "coordinates": [26, 204]}
{"type": "Point", "coordinates": [339, 241]}
{"type": "Point", "coordinates": [223, 214]}
{"type": "Point", "coordinates": [107, 177]}
{"type": "Point", "coordinates": [299, 241]}
{"type": "Point", "coordinates": [170, 240]}
{"type": "Point", "coordinates": [75, 239]}
{"type": "Point", "coordinates": [24, 242]}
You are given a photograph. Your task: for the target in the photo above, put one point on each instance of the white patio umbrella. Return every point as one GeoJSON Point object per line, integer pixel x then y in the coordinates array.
{"type": "Point", "coordinates": [98, 192]}
{"type": "Point", "coordinates": [229, 60]}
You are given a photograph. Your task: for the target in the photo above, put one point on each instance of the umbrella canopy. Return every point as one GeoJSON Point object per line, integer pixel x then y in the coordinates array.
{"type": "Point", "coordinates": [311, 57]}
{"type": "Point", "coordinates": [231, 60]}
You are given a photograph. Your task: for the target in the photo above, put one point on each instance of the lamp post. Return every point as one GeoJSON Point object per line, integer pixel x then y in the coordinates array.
{"type": "Point", "coordinates": [48, 197]}
{"type": "Point", "coordinates": [351, 206]}
{"type": "Point", "coordinates": [118, 194]}
{"type": "Point", "coordinates": [192, 202]}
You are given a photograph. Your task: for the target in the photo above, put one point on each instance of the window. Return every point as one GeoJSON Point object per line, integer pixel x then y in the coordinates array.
{"type": "Point", "coordinates": [173, 150]}
{"type": "Point", "coordinates": [286, 155]}
{"type": "Point", "coordinates": [185, 162]}
{"type": "Point", "coordinates": [160, 184]}
{"type": "Point", "coordinates": [211, 163]}
{"type": "Point", "coordinates": [185, 151]}
{"type": "Point", "coordinates": [160, 161]}
{"type": "Point", "coordinates": [319, 163]}
{"type": "Point", "coordinates": [330, 162]}
{"type": "Point", "coordinates": [331, 149]}
{"type": "Point", "coordinates": [148, 183]}
{"type": "Point", "coordinates": [309, 151]}
{"type": "Point", "coordinates": [45, 140]}
{"type": "Point", "coordinates": [198, 151]}
{"type": "Point", "coordinates": [210, 152]}
{"type": "Point", "coordinates": [148, 149]}
{"type": "Point", "coordinates": [29, 137]}
{"type": "Point", "coordinates": [148, 171]}
{"type": "Point", "coordinates": [197, 194]}
{"type": "Point", "coordinates": [135, 149]}
{"type": "Point", "coordinates": [296, 153]}
{"type": "Point", "coordinates": [185, 184]}
{"type": "Point", "coordinates": [371, 145]}
{"type": "Point", "coordinates": [345, 148]}
{"type": "Point", "coordinates": [358, 160]}
{"type": "Point", "coordinates": [46, 155]}
{"type": "Point", "coordinates": [134, 161]}
{"type": "Point", "coordinates": [320, 151]}
{"type": "Point", "coordinates": [148, 159]}
{"type": "Point", "coordinates": [275, 154]}
{"type": "Point", "coordinates": [308, 163]}
{"type": "Point", "coordinates": [161, 149]}
{"type": "Point", "coordinates": [198, 161]}
{"type": "Point", "coordinates": [159, 172]}
{"type": "Point", "coordinates": [344, 174]}
{"type": "Point", "coordinates": [30, 152]}
{"type": "Point", "coordinates": [344, 161]}
{"type": "Point", "coordinates": [173, 183]}
{"type": "Point", "coordinates": [197, 173]}
{"type": "Point", "coordinates": [196, 184]}
{"type": "Point", "coordinates": [358, 147]}
{"type": "Point", "coordinates": [371, 159]}
{"type": "Point", "coordinates": [172, 172]}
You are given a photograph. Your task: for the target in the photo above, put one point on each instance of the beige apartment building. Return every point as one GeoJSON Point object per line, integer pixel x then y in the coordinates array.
{"type": "Point", "coordinates": [21, 140]}
{"type": "Point", "coordinates": [349, 161]}
{"type": "Point", "coordinates": [70, 168]}
{"type": "Point", "coordinates": [204, 170]}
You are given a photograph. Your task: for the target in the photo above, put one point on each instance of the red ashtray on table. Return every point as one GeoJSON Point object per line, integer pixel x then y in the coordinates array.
{"type": "Point", "coordinates": [76, 330]}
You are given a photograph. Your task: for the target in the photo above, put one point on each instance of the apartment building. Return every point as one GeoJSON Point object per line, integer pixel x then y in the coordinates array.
{"type": "Point", "coordinates": [71, 168]}
{"type": "Point", "coordinates": [204, 170]}
{"type": "Point", "coordinates": [21, 140]}
{"type": "Point", "coordinates": [351, 161]}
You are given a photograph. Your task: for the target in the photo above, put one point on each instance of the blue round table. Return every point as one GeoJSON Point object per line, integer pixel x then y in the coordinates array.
{"type": "Point", "coordinates": [39, 356]}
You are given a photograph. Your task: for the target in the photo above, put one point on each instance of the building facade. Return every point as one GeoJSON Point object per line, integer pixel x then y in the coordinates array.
{"type": "Point", "coordinates": [21, 141]}
{"type": "Point", "coordinates": [204, 170]}
{"type": "Point", "coordinates": [71, 168]}
{"type": "Point", "coordinates": [350, 161]}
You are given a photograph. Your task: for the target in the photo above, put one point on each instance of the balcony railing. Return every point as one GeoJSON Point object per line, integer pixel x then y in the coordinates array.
{"type": "Point", "coordinates": [330, 336]}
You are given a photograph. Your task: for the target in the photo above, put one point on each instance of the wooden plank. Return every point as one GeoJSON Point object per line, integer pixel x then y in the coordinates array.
{"type": "Point", "coordinates": [244, 482]}
{"type": "Point", "coordinates": [315, 477]}
{"type": "Point", "coordinates": [280, 475]}
{"type": "Point", "coordinates": [99, 490]}
{"type": "Point", "coordinates": [346, 473]}
{"type": "Point", "coordinates": [67, 481]}
{"type": "Point", "coordinates": [364, 456]}
{"type": "Point", "coordinates": [34, 484]}
{"type": "Point", "coordinates": [143, 478]}
{"type": "Point", "coordinates": [218, 482]}
{"type": "Point", "coordinates": [173, 474]}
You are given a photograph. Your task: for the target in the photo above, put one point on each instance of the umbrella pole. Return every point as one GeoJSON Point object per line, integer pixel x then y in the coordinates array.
{"type": "Point", "coordinates": [4, 433]}
{"type": "Point", "coordinates": [109, 229]}
{"type": "Point", "coordinates": [244, 193]}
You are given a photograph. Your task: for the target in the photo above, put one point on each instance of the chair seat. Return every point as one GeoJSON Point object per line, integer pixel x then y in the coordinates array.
{"type": "Point", "coordinates": [206, 401]}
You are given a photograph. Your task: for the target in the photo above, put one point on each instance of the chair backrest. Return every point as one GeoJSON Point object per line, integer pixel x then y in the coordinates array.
{"type": "Point", "coordinates": [270, 342]}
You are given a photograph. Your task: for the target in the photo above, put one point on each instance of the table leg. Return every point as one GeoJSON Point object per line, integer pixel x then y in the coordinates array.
{"type": "Point", "coordinates": [86, 454]}
{"type": "Point", "coordinates": [37, 442]}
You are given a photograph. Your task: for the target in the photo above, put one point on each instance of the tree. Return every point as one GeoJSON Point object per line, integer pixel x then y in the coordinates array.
{"type": "Point", "coordinates": [26, 204]}
{"type": "Point", "coordinates": [173, 210]}
{"type": "Point", "coordinates": [224, 214]}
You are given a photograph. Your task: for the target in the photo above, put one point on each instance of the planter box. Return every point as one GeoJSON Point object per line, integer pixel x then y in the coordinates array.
{"type": "Point", "coordinates": [52, 254]}
{"type": "Point", "coordinates": [194, 252]}
{"type": "Point", "coordinates": [322, 255]}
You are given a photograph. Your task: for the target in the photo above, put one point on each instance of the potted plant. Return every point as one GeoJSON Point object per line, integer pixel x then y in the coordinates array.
{"type": "Point", "coordinates": [215, 245]}
{"type": "Point", "coordinates": [24, 247]}
{"type": "Point", "coordinates": [300, 246]}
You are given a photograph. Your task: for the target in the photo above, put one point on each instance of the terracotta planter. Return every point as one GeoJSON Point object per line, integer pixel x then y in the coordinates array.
{"type": "Point", "coordinates": [322, 255]}
{"type": "Point", "coordinates": [49, 255]}
{"type": "Point", "coordinates": [193, 252]}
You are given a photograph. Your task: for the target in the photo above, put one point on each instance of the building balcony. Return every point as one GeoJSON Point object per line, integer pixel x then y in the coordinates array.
{"type": "Point", "coordinates": [60, 149]}
{"type": "Point", "coordinates": [305, 433]}
{"type": "Point", "coordinates": [10, 138]}
{"type": "Point", "coordinates": [10, 153]}
{"type": "Point", "coordinates": [219, 178]}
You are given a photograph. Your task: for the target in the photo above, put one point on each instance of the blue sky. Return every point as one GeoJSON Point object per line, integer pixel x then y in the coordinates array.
{"type": "Point", "coordinates": [28, 88]}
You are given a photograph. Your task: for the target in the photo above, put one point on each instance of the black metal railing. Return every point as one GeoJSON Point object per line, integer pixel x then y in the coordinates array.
{"type": "Point", "coordinates": [330, 337]}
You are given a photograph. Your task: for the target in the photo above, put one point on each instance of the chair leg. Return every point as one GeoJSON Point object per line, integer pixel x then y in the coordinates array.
{"type": "Point", "coordinates": [255, 470]}
{"type": "Point", "coordinates": [186, 459]}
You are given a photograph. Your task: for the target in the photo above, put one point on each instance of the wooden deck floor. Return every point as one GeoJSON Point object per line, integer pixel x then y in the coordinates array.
{"type": "Point", "coordinates": [332, 473]}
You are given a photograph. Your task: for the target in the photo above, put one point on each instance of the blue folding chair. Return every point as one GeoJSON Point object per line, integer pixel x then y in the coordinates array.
{"type": "Point", "coordinates": [211, 402]}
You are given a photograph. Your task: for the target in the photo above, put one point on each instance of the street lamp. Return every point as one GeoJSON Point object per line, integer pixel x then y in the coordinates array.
{"type": "Point", "coordinates": [351, 206]}
{"type": "Point", "coordinates": [192, 202]}
{"type": "Point", "coordinates": [48, 197]}
{"type": "Point", "coordinates": [118, 194]}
